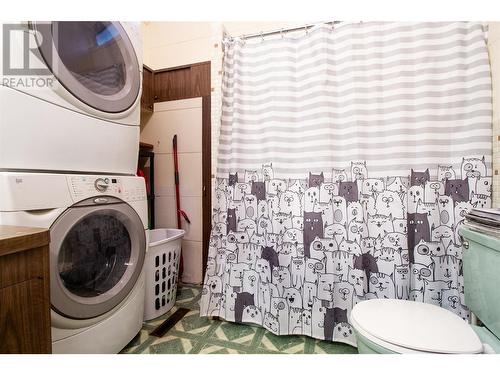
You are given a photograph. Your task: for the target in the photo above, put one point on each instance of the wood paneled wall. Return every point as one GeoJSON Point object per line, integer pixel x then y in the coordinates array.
{"type": "Point", "coordinates": [182, 82]}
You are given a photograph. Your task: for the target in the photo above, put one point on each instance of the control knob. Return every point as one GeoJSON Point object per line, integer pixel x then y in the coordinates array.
{"type": "Point", "coordinates": [101, 184]}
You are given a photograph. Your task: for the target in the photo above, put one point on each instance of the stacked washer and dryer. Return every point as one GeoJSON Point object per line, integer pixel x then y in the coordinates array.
{"type": "Point", "coordinates": [68, 157]}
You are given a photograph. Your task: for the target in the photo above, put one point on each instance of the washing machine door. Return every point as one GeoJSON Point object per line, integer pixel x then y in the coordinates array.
{"type": "Point", "coordinates": [95, 61]}
{"type": "Point", "coordinates": [96, 256]}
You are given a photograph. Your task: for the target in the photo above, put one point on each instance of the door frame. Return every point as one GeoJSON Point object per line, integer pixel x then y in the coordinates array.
{"type": "Point", "coordinates": [186, 82]}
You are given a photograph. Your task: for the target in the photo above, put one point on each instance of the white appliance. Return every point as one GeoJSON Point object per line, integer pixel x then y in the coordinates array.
{"type": "Point", "coordinates": [70, 96]}
{"type": "Point", "coordinates": [98, 241]}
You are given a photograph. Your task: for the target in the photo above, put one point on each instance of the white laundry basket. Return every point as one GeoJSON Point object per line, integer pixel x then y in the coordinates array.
{"type": "Point", "coordinates": [162, 270]}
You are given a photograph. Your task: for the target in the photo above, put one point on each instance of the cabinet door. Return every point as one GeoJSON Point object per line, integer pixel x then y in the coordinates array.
{"type": "Point", "coordinates": [23, 318]}
{"type": "Point", "coordinates": [147, 98]}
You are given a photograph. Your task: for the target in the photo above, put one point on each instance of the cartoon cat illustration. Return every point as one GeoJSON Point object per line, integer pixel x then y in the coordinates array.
{"type": "Point", "coordinates": [372, 186]}
{"type": "Point", "coordinates": [264, 270]}
{"type": "Point", "coordinates": [243, 300]}
{"type": "Point", "coordinates": [327, 191]}
{"type": "Point", "coordinates": [251, 176]}
{"type": "Point", "coordinates": [313, 227]}
{"type": "Point", "coordinates": [311, 197]}
{"type": "Point", "coordinates": [258, 189]}
{"type": "Point", "coordinates": [295, 321]}
{"type": "Point", "coordinates": [343, 293]}
{"type": "Point", "coordinates": [400, 225]}
{"type": "Point", "coordinates": [349, 191]}
{"type": "Point", "coordinates": [379, 225]}
{"type": "Point", "coordinates": [432, 211]}
{"type": "Point", "coordinates": [297, 271]}
{"type": "Point", "coordinates": [473, 167]}
{"type": "Point", "coordinates": [432, 190]}
{"type": "Point", "coordinates": [271, 323]}
{"type": "Point", "coordinates": [446, 210]}
{"type": "Point", "coordinates": [282, 278]}
{"type": "Point", "coordinates": [236, 274]}
{"type": "Point", "coordinates": [281, 222]}
{"type": "Point", "coordinates": [446, 268]}
{"type": "Point", "coordinates": [313, 268]}
{"type": "Point", "coordinates": [415, 194]}
{"type": "Point", "coordinates": [419, 178]}
{"type": "Point", "coordinates": [484, 185]}
{"type": "Point", "coordinates": [251, 314]}
{"type": "Point", "coordinates": [309, 291]}
{"type": "Point", "coordinates": [398, 184]}
{"type": "Point", "coordinates": [315, 180]}
{"type": "Point", "coordinates": [446, 172]}
{"type": "Point", "coordinates": [326, 211]}
{"type": "Point", "coordinates": [338, 175]}
{"type": "Point", "coordinates": [389, 203]}
{"type": "Point", "coordinates": [382, 284]}
{"type": "Point", "coordinates": [293, 297]}
{"type": "Point", "coordinates": [241, 189]}
{"type": "Point", "coordinates": [418, 229]}
{"type": "Point", "coordinates": [250, 281]}
{"type": "Point", "coordinates": [350, 247]}
{"type": "Point", "coordinates": [433, 291]}
{"type": "Point", "coordinates": [338, 262]}
{"type": "Point", "coordinates": [442, 233]}
{"type": "Point", "coordinates": [275, 186]}
{"type": "Point", "coordinates": [267, 171]}
{"type": "Point", "coordinates": [359, 170]}
{"type": "Point", "coordinates": [458, 190]}
{"type": "Point", "coordinates": [343, 332]}
{"type": "Point", "coordinates": [420, 273]}
{"type": "Point", "coordinates": [306, 322]}
{"type": "Point", "coordinates": [480, 200]}
{"type": "Point", "coordinates": [401, 277]}
{"type": "Point", "coordinates": [357, 230]}
{"type": "Point", "coordinates": [232, 179]}
{"type": "Point", "coordinates": [250, 206]}
{"type": "Point", "coordinates": [231, 220]}
{"type": "Point", "coordinates": [357, 278]}
{"type": "Point", "coordinates": [339, 205]}
{"type": "Point", "coordinates": [337, 232]}
{"type": "Point", "coordinates": [290, 203]}
{"type": "Point", "coordinates": [386, 258]}
{"type": "Point", "coordinates": [326, 282]}
{"type": "Point", "coordinates": [333, 317]}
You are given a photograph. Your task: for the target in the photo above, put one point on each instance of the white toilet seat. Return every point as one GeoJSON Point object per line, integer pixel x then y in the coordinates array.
{"type": "Point", "coordinates": [414, 327]}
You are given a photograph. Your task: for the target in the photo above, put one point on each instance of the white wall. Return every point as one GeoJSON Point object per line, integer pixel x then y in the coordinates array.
{"type": "Point", "coordinates": [184, 118]}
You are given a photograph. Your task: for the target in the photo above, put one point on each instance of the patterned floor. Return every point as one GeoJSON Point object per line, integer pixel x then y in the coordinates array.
{"type": "Point", "coordinates": [195, 334]}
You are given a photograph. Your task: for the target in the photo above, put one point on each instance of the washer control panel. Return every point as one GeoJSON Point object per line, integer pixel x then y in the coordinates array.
{"type": "Point", "coordinates": [126, 188]}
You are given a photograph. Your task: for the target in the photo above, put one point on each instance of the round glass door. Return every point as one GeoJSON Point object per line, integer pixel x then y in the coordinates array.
{"type": "Point", "coordinates": [95, 61]}
{"type": "Point", "coordinates": [96, 255]}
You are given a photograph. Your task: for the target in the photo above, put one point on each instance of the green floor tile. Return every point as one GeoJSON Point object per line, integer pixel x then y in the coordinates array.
{"type": "Point", "coordinates": [194, 334]}
{"type": "Point", "coordinates": [171, 345]}
{"type": "Point", "coordinates": [237, 333]}
{"type": "Point", "coordinates": [285, 344]}
{"type": "Point", "coordinates": [325, 347]}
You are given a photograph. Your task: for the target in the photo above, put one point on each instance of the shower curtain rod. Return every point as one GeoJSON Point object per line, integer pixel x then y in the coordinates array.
{"type": "Point", "coordinates": [281, 31]}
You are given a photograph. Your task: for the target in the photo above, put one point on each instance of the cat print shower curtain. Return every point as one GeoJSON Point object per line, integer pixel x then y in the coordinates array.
{"type": "Point", "coordinates": [348, 158]}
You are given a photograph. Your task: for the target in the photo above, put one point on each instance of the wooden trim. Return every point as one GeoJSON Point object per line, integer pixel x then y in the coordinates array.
{"type": "Point", "coordinates": [182, 67]}
{"type": "Point", "coordinates": [206, 177]}
{"type": "Point", "coordinates": [14, 239]}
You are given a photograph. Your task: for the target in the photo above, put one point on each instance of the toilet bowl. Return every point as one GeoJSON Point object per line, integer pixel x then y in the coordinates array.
{"type": "Point", "coordinates": [400, 326]}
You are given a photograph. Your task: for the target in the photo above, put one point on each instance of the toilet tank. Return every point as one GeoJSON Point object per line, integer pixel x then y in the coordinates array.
{"type": "Point", "coordinates": [481, 269]}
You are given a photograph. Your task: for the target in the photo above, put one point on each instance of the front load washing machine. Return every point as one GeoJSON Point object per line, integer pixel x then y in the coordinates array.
{"type": "Point", "coordinates": [98, 242]}
{"type": "Point", "coordinates": [70, 96]}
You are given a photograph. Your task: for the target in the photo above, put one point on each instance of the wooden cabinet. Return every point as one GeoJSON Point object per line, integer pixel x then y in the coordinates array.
{"type": "Point", "coordinates": [147, 98]}
{"type": "Point", "coordinates": [183, 82]}
{"type": "Point", "coordinates": [24, 290]}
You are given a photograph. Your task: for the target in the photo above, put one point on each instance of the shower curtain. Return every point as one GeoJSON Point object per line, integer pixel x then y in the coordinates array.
{"type": "Point", "coordinates": [348, 158]}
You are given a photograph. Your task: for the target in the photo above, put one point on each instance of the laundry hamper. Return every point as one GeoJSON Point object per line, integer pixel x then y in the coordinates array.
{"type": "Point", "coordinates": [162, 270]}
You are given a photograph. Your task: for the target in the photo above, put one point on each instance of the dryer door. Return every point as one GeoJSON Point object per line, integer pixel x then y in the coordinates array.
{"type": "Point", "coordinates": [95, 61]}
{"type": "Point", "coordinates": [96, 256]}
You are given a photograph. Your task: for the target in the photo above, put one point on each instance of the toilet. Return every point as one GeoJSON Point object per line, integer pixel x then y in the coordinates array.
{"type": "Point", "coordinates": [394, 326]}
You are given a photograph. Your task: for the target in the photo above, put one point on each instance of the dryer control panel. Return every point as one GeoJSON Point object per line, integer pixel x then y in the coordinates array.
{"type": "Point", "coordinates": [124, 187]}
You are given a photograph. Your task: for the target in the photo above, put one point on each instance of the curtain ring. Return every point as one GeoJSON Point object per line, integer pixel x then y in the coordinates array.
{"type": "Point", "coordinates": [305, 28]}
{"type": "Point", "coordinates": [281, 33]}
{"type": "Point", "coordinates": [261, 36]}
